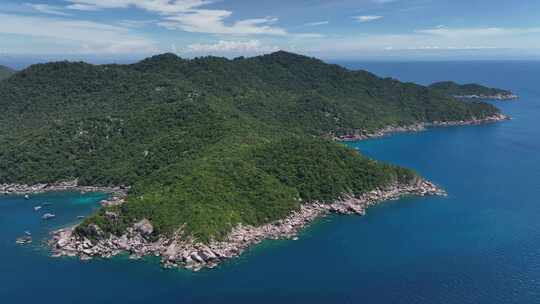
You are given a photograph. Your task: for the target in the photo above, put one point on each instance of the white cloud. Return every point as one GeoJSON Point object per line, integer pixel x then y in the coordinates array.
{"type": "Point", "coordinates": [135, 23]}
{"type": "Point", "coordinates": [188, 15]}
{"type": "Point", "coordinates": [48, 9]}
{"type": "Point", "coordinates": [158, 6]}
{"type": "Point", "coordinates": [317, 23]}
{"type": "Point", "coordinates": [119, 47]}
{"type": "Point", "coordinates": [433, 39]}
{"type": "Point", "coordinates": [213, 22]}
{"type": "Point", "coordinates": [367, 18]}
{"type": "Point", "coordinates": [228, 47]}
{"type": "Point", "coordinates": [84, 36]}
{"type": "Point", "coordinates": [308, 35]}
{"type": "Point", "coordinates": [82, 7]}
{"type": "Point", "coordinates": [476, 32]}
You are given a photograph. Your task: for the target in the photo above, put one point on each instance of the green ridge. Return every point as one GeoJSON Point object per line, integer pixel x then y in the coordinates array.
{"type": "Point", "coordinates": [208, 142]}
{"type": "Point", "coordinates": [454, 89]}
{"type": "Point", "coordinates": [5, 72]}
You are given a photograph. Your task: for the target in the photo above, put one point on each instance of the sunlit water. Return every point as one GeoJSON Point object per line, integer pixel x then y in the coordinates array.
{"type": "Point", "coordinates": [479, 245]}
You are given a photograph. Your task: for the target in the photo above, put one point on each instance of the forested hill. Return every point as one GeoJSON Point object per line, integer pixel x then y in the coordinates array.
{"type": "Point", "coordinates": [280, 88]}
{"type": "Point", "coordinates": [471, 90]}
{"type": "Point", "coordinates": [5, 72]}
{"type": "Point", "coordinates": [210, 142]}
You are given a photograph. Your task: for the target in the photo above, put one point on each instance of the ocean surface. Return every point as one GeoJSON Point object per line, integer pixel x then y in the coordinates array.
{"type": "Point", "coordinates": [479, 245]}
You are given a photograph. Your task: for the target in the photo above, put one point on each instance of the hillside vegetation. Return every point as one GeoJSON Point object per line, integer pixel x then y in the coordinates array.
{"type": "Point", "coordinates": [208, 143]}
{"type": "Point", "coordinates": [451, 88]}
{"type": "Point", "coordinates": [5, 72]}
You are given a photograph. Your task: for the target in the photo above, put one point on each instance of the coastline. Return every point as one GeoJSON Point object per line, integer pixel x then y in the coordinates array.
{"type": "Point", "coordinates": [419, 127]}
{"type": "Point", "coordinates": [180, 251]}
{"type": "Point", "coordinates": [118, 194]}
{"type": "Point", "coordinates": [500, 97]}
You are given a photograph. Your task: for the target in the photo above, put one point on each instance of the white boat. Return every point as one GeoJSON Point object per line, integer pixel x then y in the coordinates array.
{"type": "Point", "coordinates": [36, 208]}
{"type": "Point", "coordinates": [48, 216]}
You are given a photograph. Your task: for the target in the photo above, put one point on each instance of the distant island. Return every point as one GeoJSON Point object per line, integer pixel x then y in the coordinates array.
{"type": "Point", "coordinates": [472, 91]}
{"type": "Point", "coordinates": [5, 72]}
{"type": "Point", "coordinates": [206, 157]}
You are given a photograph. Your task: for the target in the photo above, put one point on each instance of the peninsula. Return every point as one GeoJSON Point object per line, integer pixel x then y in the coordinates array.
{"type": "Point", "coordinates": [208, 156]}
{"type": "Point", "coordinates": [472, 91]}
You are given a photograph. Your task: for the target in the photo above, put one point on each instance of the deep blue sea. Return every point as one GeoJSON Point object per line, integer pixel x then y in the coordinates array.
{"type": "Point", "coordinates": [479, 245]}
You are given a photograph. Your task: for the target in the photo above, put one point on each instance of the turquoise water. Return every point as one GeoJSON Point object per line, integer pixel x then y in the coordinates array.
{"type": "Point", "coordinates": [479, 245]}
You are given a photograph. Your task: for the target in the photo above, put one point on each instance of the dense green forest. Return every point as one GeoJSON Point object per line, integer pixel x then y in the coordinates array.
{"type": "Point", "coordinates": [208, 142]}
{"type": "Point", "coordinates": [5, 72]}
{"type": "Point", "coordinates": [454, 89]}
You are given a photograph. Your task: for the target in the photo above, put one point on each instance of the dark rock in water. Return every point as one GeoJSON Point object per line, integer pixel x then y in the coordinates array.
{"type": "Point", "coordinates": [24, 240]}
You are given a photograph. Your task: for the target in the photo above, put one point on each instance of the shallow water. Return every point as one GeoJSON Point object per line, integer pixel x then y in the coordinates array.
{"type": "Point", "coordinates": [479, 245]}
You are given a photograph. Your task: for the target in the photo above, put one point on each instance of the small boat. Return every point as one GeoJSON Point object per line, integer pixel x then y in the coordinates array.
{"type": "Point", "coordinates": [36, 208]}
{"type": "Point", "coordinates": [26, 196]}
{"type": "Point", "coordinates": [80, 217]}
{"type": "Point", "coordinates": [28, 233]}
{"type": "Point", "coordinates": [48, 216]}
{"type": "Point", "coordinates": [24, 240]}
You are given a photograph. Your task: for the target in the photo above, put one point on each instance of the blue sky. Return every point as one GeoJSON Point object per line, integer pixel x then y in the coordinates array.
{"type": "Point", "coordinates": [338, 29]}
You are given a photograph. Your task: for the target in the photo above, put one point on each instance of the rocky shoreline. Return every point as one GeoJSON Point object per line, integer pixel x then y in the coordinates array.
{"type": "Point", "coordinates": [500, 96]}
{"type": "Point", "coordinates": [118, 194]}
{"type": "Point", "coordinates": [183, 251]}
{"type": "Point", "coordinates": [419, 127]}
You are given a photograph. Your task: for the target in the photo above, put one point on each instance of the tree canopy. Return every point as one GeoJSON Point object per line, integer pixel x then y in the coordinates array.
{"type": "Point", "coordinates": [208, 143]}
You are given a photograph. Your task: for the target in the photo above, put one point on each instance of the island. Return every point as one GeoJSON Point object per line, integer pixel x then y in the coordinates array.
{"type": "Point", "coordinates": [206, 157]}
{"type": "Point", "coordinates": [472, 91]}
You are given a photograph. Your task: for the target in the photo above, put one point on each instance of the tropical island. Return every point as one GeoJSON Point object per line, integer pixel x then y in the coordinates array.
{"type": "Point", "coordinates": [208, 156]}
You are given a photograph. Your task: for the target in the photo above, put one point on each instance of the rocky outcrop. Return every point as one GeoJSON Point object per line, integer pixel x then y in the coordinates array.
{"type": "Point", "coordinates": [418, 127]}
{"type": "Point", "coordinates": [144, 227]}
{"type": "Point", "coordinates": [181, 250]}
{"type": "Point", "coordinates": [500, 96]}
{"type": "Point", "coordinates": [118, 194]}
